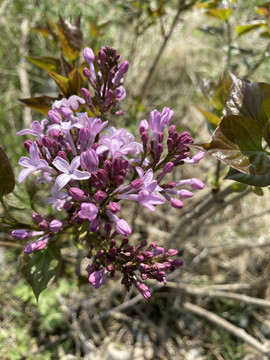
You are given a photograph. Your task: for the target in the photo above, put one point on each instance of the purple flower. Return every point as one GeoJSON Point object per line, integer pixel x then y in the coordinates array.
{"type": "Point", "coordinates": [148, 198]}
{"type": "Point", "coordinates": [33, 164]}
{"type": "Point", "coordinates": [119, 143]}
{"type": "Point", "coordinates": [73, 101]}
{"type": "Point", "coordinates": [70, 171]}
{"type": "Point", "coordinates": [58, 199]}
{"type": "Point", "coordinates": [36, 128]}
{"type": "Point", "coordinates": [158, 122]}
{"type": "Point", "coordinates": [88, 211]}
{"type": "Point", "coordinates": [195, 159]}
{"type": "Point", "coordinates": [94, 125]}
{"type": "Point", "coordinates": [98, 278]}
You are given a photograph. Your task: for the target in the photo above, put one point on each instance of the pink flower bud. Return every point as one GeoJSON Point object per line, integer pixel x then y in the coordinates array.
{"type": "Point", "coordinates": [122, 227]}
{"type": "Point", "coordinates": [66, 112]}
{"type": "Point", "coordinates": [43, 225]}
{"type": "Point", "coordinates": [55, 117]}
{"type": "Point", "coordinates": [37, 218]}
{"type": "Point", "coordinates": [100, 195]}
{"type": "Point", "coordinates": [168, 167]}
{"type": "Point", "coordinates": [76, 193]}
{"type": "Point", "coordinates": [30, 248]}
{"type": "Point", "coordinates": [89, 160]}
{"type": "Point", "coordinates": [88, 55]}
{"type": "Point", "coordinates": [176, 203]}
{"type": "Point", "coordinates": [196, 184]}
{"type": "Point", "coordinates": [84, 134]}
{"type": "Point", "coordinates": [55, 225]}
{"type": "Point", "coordinates": [41, 244]}
{"type": "Point", "coordinates": [114, 207]}
{"type": "Point", "coordinates": [27, 145]}
{"type": "Point", "coordinates": [172, 252]}
{"type": "Point", "coordinates": [185, 194]}
{"type": "Point", "coordinates": [136, 184]}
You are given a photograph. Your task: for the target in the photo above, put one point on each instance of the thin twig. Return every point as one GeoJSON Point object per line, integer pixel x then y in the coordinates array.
{"type": "Point", "coordinates": [210, 292]}
{"type": "Point", "coordinates": [25, 88]}
{"type": "Point", "coordinates": [236, 331]}
{"type": "Point", "coordinates": [182, 7]}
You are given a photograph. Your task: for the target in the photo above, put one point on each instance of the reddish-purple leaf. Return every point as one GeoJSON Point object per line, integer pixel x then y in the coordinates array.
{"type": "Point", "coordinates": [7, 181]}
{"type": "Point", "coordinates": [41, 104]}
{"type": "Point", "coordinates": [245, 98]}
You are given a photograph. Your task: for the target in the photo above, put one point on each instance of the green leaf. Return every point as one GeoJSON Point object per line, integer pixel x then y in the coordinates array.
{"type": "Point", "coordinates": [212, 118]}
{"type": "Point", "coordinates": [243, 29]}
{"type": "Point", "coordinates": [259, 180]}
{"type": "Point", "coordinates": [220, 95]}
{"type": "Point", "coordinates": [221, 14]}
{"type": "Point", "coordinates": [61, 81]}
{"type": "Point", "coordinates": [257, 190]}
{"type": "Point", "coordinates": [42, 104]}
{"type": "Point", "coordinates": [238, 187]}
{"type": "Point", "coordinates": [41, 267]}
{"type": "Point", "coordinates": [245, 98]}
{"type": "Point", "coordinates": [71, 38]}
{"type": "Point", "coordinates": [45, 31]}
{"type": "Point", "coordinates": [7, 181]}
{"type": "Point", "coordinates": [45, 62]}
{"type": "Point", "coordinates": [237, 143]}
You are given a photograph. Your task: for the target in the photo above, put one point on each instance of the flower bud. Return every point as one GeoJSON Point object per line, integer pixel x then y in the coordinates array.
{"type": "Point", "coordinates": [30, 248]}
{"type": "Point", "coordinates": [84, 134]}
{"type": "Point", "coordinates": [89, 160]}
{"type": "Point", "coordinates": [122, 227]}
{"type": "Point", "coordinates": [171, 252]}
{"type": "Point", "coordinates": [196, 184]}
{"type": "Point", "coordinates": [100, 195]}
{"type": "Point", "coordinates": [62, 154]}
{"type": "Point", "coordinates": [176, 203]}
{"type": "Point", "coordinates": [114, 207]}
{"type": "Point", "coordinates": [66, 112]}
{"type": "Point", "coordinates": [168, 167]}
{"type": "Point", "coordinates": [43, 225]}
{"type": "Point", "coordinates": [55, 117]}
{"type": "Point", "coordinates": [88, 55]}
{"type": "Point", "coordinates": [27, 145]}
{"type": "Point", "coordinates": [37, 218]}
{"type": "Point", "coordinates": [55, 225]}
{"type": "Point", "coordinates": [19, 234]}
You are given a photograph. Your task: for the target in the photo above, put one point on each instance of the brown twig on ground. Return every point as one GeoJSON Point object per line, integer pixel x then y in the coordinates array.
{"type": "Point", "coordinates": [210, 292]}
{"type": "Point", "coordinates": [236, 331]}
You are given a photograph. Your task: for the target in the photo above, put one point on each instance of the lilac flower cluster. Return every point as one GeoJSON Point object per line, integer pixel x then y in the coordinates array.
{"type": "Point", "coordinates": [91, 168]}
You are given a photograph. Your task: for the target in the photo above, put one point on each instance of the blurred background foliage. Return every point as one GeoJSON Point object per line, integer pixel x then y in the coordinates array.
{"type": "Point", "coordinates": [179, 54]}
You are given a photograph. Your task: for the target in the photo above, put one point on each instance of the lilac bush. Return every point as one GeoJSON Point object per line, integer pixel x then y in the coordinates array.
{"type": "Point", "coordinates": [92, 168]}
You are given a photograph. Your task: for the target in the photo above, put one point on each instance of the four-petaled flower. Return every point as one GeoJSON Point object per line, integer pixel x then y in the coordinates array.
{"type": "Point", "coordinates": [69, 171]}
{"type": "Point", "coordinates": [33, 164]}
